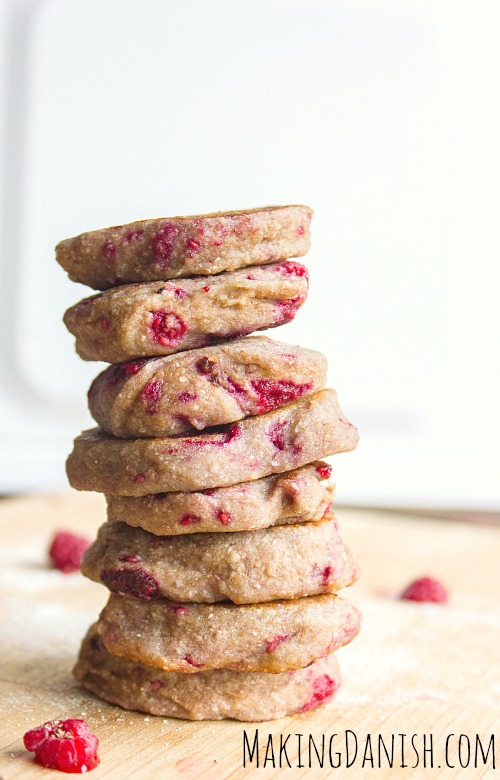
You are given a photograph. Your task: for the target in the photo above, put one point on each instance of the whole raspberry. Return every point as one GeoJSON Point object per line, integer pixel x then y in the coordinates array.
{"type": "Point", "coordinates": [66, 745]}
{"type": "Point", "coordinates": [425, 589]}
{"type": "Point", "coordinates": [66, 551]}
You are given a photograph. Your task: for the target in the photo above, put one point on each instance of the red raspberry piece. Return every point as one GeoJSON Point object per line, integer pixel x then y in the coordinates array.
{"type": "Point", "coordinates": [193, 244]}
{"type": "Point", "coordinates": [162, 244]}
{"type": "Point", "coordinates": [193, 663]}
{"type": "Point", "coordinates": [166, 327]}
{"type": "Point", "coordinates": [300, 230]}
{"type": "Point", "coordinates": [151, 396]}
{"type": "Point", "coordinates": [294, 269]}
{"type": "Point", "coordinates": [224, 517]}
{"type": "Point", "coordinates": [425, 589]}
{"type": "Point", "coordinates": [131, 367]}
{"type": "Point", "coordinates": [272, 394]}
{"type": "Point", "coordinates": [327, 574]}
{"type": "Point", "coordinates": [66, 745]}
{"type": "Point", "coordinates": [104, 324]}
{"type": "Point", "coordinates": [179, 610]}
{"type": "Point", "coordinates": [323, 688]}
{"type": "Point", "coordinates": [133, 582]}
{"type": "Point", "coordinates": [189, 520]}
{"type": "Point", "coordinates": [272, 644]}
{"type": "Point", "coordinates": [233, 433]}
{"type": "Point", "coordinates": [288, 309]}
{"type": "Point", "coordinates": [66, 551]}
{"type": "Point", "coordinates": [324, 470]}
{"type": "Point", "coordinates": [139, 479]}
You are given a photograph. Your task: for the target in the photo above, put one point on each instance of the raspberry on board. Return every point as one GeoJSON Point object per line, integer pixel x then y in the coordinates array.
{"type": "Point", "coordinates": [66, 745]}
{"type": "Point", "coordinates": [66, 551]}
{"type": "Point", "coordinates": [425, 589]}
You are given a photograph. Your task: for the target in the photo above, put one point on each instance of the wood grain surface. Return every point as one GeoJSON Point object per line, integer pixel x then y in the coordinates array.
{"type": "Point", "coordinates": [424, 670]}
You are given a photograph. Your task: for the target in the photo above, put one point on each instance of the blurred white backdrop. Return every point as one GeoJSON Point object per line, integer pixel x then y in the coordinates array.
{"type": "Point", "coordinates": [382, 116]}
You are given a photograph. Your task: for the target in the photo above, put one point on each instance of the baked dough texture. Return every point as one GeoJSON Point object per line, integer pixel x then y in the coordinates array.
{"type": "Point", "coordinates": [274, 636]}
{"type": "Point", "coordinates": [212, 695]}
{"type": "Point", "coordinates": [283, 562]}
{"type": "Point", "coordinates": [292, 497]}
{"type": "Point", "coordinates": [284, 439]}
{"type": "Point", "coordinates": [143, 320]}
{"type": "Point", "coordinates": [168, 248]}
{"type": "Point", "coordinates": [203, 387]}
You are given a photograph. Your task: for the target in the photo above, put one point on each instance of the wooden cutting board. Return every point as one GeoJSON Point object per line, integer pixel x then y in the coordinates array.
{"type": "Point", "coordinates": [414, 669]}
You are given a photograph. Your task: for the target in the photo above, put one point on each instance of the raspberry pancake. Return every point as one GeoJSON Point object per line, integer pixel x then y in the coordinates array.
{"type": "Point", "coordinates": [292, 497]}
{"type": "Point", "coordinates": [212, 695]}
{"type": "Point", "coordinates": [284, 562]}
{"type": "Point", "coordinates": [274, 636]}
{"type": "Point", "coordinates": [281, 440]}
{"type": "Point", "coordinates": [168, 248]}
{"type": "Point", "coordinates": [203, 387]}
{"type": "Point", "coordinates": [143, 320]}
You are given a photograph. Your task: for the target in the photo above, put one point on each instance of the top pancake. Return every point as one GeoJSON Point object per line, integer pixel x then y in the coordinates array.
{"type": "Point", "coordinates": [169, 248]}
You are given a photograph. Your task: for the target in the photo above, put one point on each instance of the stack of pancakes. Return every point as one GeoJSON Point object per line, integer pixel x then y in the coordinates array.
{"type": "Point", "coordinates": [220, 550]}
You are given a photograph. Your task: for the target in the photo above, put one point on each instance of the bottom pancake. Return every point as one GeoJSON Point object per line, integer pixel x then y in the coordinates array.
{"type": "Point", "coordinates": [210, 695]}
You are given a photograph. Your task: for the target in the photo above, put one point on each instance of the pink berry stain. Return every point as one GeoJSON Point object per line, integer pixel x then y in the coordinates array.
{"type": "Point", "coordinates": [277, 434]}
{"type": "Point", "coordinates": [129, 559]}
{"type": "Point", "coordinates": [187, 396]}
{"type": "Point", "coordinates": [425, 589]}
{"type": "Point", "coordinates": [192, 244]}
{"type": "Point", "coordinates": [104, 322]}
{"type": "Point", "coordinates": [166, 328]}
{"type": "Point", "coordinates": [151, 396]}
{"type": "Point", "coordinates": [191, 662]}
{"type": "Point", "coordinates": [131, 367]}
{"type": "Point", "coordinates": [287, 309]}
{"type": "Point", "coordinates": [324, 470]}
{"type": "Point", "coordinates": [162, 244]}
{"type": "Point", "coordinates": [132, 582]}
{"type": "Point", "coordinates": [327, 575]}
{"type": "Point", "coordinates": [109, 251]}
{"type": "Point", "coordinates": [139, 479]}
{"type": "Point", "coordinates": [156, 685]}
{"type": "Point", "coordinates": [224, 517]}
{"type": "Point", "coordinates": [132, 236]}
{"type": "Point", "coordinates": [290, 268]}
{"type": "Point", "coordinates": [323, 688]}
{"type": "Point", "coordinates": [272, 644]}
{"type": "Point", "coordinates": [66, 551]}
{"type": "Point", "coordinates": [66, 745]}
{"type": "Point", "coordinates": [178, 609]}
{"type": "Point", "coordinates": [271, 394]}
{"type": "Point", "coordinates": [300, 230]}
{"type": "Point", "coordinates": [189, 520]}
{"type": "Point", "coordinates": [216, 440]}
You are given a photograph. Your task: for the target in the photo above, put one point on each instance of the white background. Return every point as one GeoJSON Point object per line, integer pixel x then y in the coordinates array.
{"type": "Point", "coordinates": [382, 116]}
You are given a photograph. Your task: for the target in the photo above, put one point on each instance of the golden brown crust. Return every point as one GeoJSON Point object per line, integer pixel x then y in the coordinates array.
{"type": "Point", "coordinates": [212, 695]}
{"type": "Point", "coordinates": [273, 636]}
{"type": "Point", "coordinates": [272, 443]}
{"type": "Point", "coordinates": [169, 248]}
